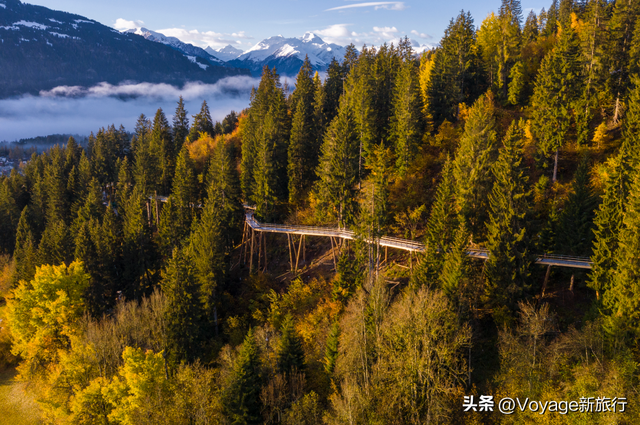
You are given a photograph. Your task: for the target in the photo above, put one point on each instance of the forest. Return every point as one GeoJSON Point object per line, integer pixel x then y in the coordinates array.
{"type": "Point", "coordinates": [520, 136]}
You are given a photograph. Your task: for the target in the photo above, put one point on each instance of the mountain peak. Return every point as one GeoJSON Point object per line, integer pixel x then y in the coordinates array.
{"type": "Point", "coordinates": [310, 37]}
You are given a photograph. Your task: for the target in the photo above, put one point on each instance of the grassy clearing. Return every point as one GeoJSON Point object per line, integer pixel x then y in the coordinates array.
{"type": "Point", "coordinates": [16, 402]}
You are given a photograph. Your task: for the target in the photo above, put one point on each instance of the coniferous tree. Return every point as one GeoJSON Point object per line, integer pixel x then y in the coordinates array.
{"type": "Point", "coordinates": [507, 268]}
{"type": "Point", "coordinates": [224, 191]}
{"type": "Point", "coordinates": [25, 253]}
{"type": "Point", "coordinates": [607, 225]}
{"type": "Point", "coordinates": [622, 300]}
{"type": "Point", "coordinates": [510, 19]}
{"type": "Point", "coordinates": [334, 88]}
{"type": "Point", "coordinates": [184, 311]}
{"type": "Point", "coordinates": [472, 166]}
{"type": "Point", "coordinates": [557, 89]}
{"type": "Point", "coordinates": [575, 234]}
{"type": "Point", "coordinates": [321, 117]}
{"type": "Point", "coordinates": [455, 267]}
{"type": "Point", "coordinates": [180, 126]}
{"type": "Point", "coordinates": [161, 148]}
{"type": "Point", "coordinates": [201, 123]}
{"type": "Point", "coordinates": [440, 230]}
{"type": "Point", "coordinates": [56, 244]}
{"type": "Point", "coordinates": [406, 123]}
{"type": "Point", "coordinates": [242, 397]}
{"type": "Point", "coordinates": [530, 31]}
{"type": "Point", "coordinates": [456, 70]}
{"type": "Point", "coordinates": [290, 355]}
{"type": "Point", "coordinates": [303, 151]}
{"type": "Point", "coordinates": [338, 169]}
{"type": "Point", "coordinates": [9, 216]}
{"type": "Point", "coordinates": [184, 196]}
{"type": "Point", "coordinates": [331, 351]}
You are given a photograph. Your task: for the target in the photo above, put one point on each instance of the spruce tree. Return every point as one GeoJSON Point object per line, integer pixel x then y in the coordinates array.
{"type": "Point", "coordinates": [290, 355]}
{"type": "Point", "coordinates": [334, 87]}
{"type": "Point", "coordinates": [184, 196]}
{"type": "Point", "coordinates": [161, 148]}
{"type": "Point", "coordinates": [607, 225]}
{"type": "Point", "coordinates": [303, 150]}
{"type": "Point", "coordinates": [472, 166]}
{"type": "Point", "coordinates": [622, 300]}
{"type": "Point", "coordinates": [183, 314]}
{"type": "Point", "coordinates": [510, 18]}
{"type": "Point", "coordinates": [556, 90]}
{"type": "Point", "coordinates": [338, 169]}
{"type": "Point", "coordinates": [331, 350]}
{"type": "Point", "coordinates": [9, 216]}
{"type": "Point", "coordinates": [574, 235]}
{"type": "Point", "coordinates": [507, 269]}
{"type": "Point", "coordinates": [242, 397]}
{"type": "Point", "coordinates": [455, 267]}
{"type": "Point", "coordinates": [456, 70]}
{"type": "Point", "coordinates": [406, 123]}
{"type": "Point", "coordinates": [180, 126]}
{"type": "Point", "coordinates": [530, 30]}
{"type": "Point", "coordinates": [25, 253]}
{"type": "Point", "coordinates": [201, 123]}
{"type": "Point", "coordinates": [56, 244]}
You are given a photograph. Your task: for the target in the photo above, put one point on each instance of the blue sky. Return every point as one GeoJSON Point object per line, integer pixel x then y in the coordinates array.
{"type": "Point", "coordinates": [244, 23]}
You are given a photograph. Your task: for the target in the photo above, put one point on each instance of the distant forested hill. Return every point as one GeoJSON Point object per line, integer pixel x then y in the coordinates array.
{"type": "Point", "coordinates": [43, 48]}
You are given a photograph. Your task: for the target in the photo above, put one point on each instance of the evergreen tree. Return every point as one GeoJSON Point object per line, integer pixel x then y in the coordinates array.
{"type": "Point", "coordinates": [331, 351]}
{"type": "Point", "coordinates": [456, 70]}
{"type": "Point", "coordinates": [242, 396]}
{"type": "Point", "coordinates": [455, 267]}
{"type": "Point", "coordinates": [406, 123]}
{"type": "Point", "coordinates": [184, 311]}
{"type": "Point", "coordinates": [224, 191]}
{"type": "Point", "coordinates": [510, 18]}
{"type": "Point", "coordinates": [161, 148]}
{"type": "Point", "coordinates": [575, 234]}
{"type": "Point", "coordinates": [507, 268]}
{"type": "Point", "coordinates": [530, 30]}
{"type": "Point", "coordinates": [303, 151]}
{"type": "Point", "coordinates": [56, 245]}
{"type": "Point", "coordinates": [334, 87]}
{"type": "Point", "coordinates": [180, 126]}
{"type": "Point", "coordinates": [25, 253]}
{"type": "Point", "coordinates": [440, 230]}
{"type": "Point", "coordinates": [290, 355]}
{"type": "Point", "coordinates": [201, 123]}
{"type": "Point", "coordinates": [184, 196]}
{"type": "Point", "coordinates": [622, 300]}
{"type": "Point", "coordinates": [472, 166]}
{"type": "Point", "coordinates": [607, 223]}
{"type": "Point", "coordinates": [557, 88]}
{"type": "Point", "coordinates": [338, 169]}
{"type": "Point", "coordinates": [9, 216]}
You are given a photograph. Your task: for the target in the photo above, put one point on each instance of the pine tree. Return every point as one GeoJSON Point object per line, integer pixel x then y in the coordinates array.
{"type": "Point", "coordinates": [530, 30]}
{"type": "Point", "coordinates": [472, 166]}
{"type": "Point", "coordinates": [406, 123]}
{"type": "Point", "coordinates": [242, 397]}
{"type": "Point", "coordinates": [338, 169]}
{"type": "Point", "coordinates": [180, 126]}
{"type": "Point", "coordinates": [290, 355]}
{"type": "Point", "coordinates": [56, 244]}
{"type": "Point", "coordinates": [507, 269]}
{"type": "Point", "coordinates": [334, 87]}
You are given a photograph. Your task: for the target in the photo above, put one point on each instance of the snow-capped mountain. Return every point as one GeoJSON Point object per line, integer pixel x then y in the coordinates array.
{"type": "Point", "coordinates": [42, 48]}
{"type": "Point", "coordinates": [287, 54]}
{"type": "Point", "coordinates": [192, 52]}
{"type": "Point", "coordinates": [226, 53]}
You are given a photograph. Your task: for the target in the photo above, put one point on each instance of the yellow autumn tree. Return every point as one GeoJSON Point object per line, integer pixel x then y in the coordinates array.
{"type": "Point", "coordinates": [44, 315]}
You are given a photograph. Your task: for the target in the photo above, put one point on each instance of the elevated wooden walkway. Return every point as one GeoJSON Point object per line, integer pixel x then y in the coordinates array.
{"type": "Point", "coordinates": [398, 243]}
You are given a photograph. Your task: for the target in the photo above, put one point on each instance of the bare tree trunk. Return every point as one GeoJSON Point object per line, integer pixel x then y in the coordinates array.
{"type": "Point", "coordinates": [555, 167]}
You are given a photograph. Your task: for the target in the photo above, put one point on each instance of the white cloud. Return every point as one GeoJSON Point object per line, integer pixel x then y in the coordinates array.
{"type": "Point", "coordinates": [338, 34]}
{"type": "Point", "coordinates": [386, 32]}
{"type": "Point", "coordinates": [389, 5]}
{"type": "Point", "coordinates": [421, 34]}
{"type": "Point", "coordinates": [123, 24]}
{"type": "Point", "coordinates": [205, 38]}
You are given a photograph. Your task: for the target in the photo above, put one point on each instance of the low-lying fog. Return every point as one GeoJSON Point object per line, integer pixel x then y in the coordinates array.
{"type": "Point", "coordinates": [75, 110]}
